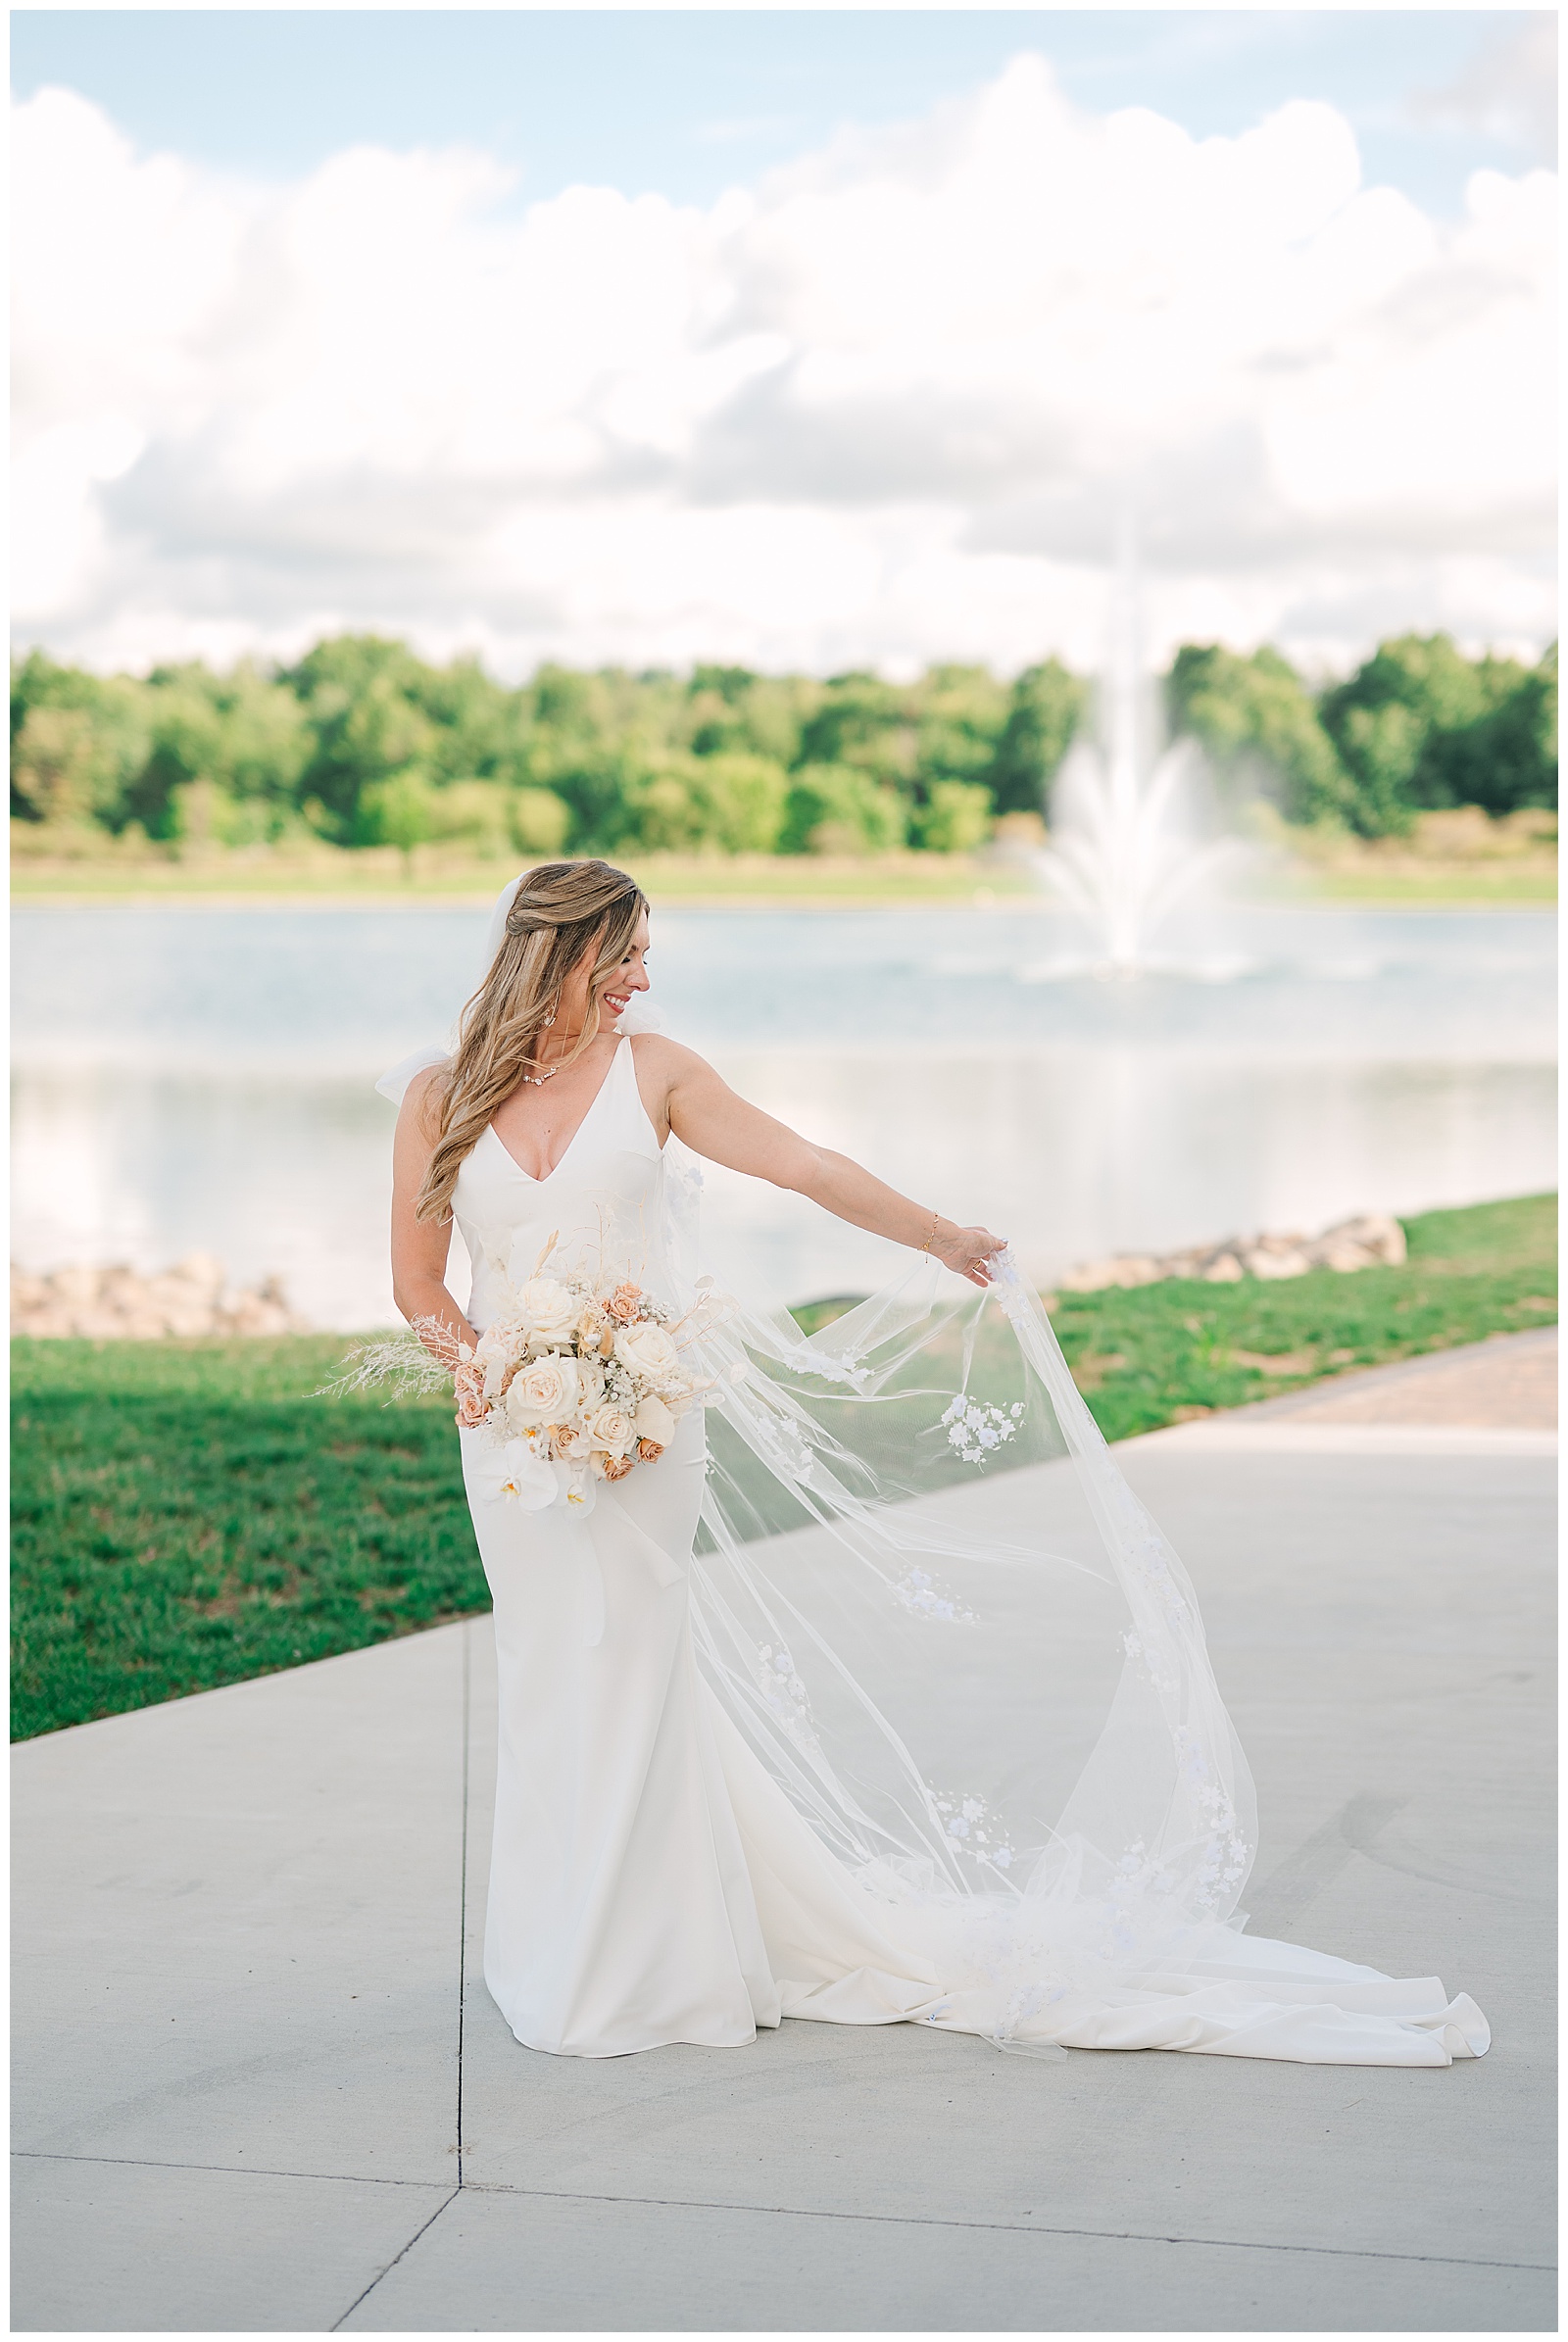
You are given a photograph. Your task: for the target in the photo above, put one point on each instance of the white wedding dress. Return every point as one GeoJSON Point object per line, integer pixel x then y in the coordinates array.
{"type": "Point", "coordinates": [698, 1833]}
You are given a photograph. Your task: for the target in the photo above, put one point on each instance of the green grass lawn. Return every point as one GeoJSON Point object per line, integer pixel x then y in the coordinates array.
{"type": "Point", "coordinates": [187, 1514]}
{"type": "Point", "coordinates": [1162, 1353]}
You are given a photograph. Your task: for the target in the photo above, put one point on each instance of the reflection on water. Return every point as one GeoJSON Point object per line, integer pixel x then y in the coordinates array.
{"type": "Point", "coordinates": [199, 1079]}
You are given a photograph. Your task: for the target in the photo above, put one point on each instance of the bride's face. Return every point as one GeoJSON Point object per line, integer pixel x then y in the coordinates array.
{"type": "Point", "coordinates": [631, 976]}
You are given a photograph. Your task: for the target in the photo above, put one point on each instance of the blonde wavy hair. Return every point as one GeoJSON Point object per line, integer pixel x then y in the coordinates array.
{"type": "Point", "coordinates": [560, 912]}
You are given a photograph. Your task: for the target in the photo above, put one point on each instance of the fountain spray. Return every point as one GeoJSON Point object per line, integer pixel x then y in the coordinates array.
{"type": "Point", "coordinates": [1125, 845]}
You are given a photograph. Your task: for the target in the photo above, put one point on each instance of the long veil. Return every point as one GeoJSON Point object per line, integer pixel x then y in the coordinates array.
{"type": "Point", "coordinates": [956, 1639]}
{"type": "Point", "coordinates": [926, 1597]}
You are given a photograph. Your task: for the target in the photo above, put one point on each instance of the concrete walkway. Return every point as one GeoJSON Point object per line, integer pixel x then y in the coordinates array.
{"type": "Point", "coordinates": [260, 2085]}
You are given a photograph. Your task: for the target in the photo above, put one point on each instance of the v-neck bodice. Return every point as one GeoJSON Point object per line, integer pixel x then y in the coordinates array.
{"type": "Point", "coordinates": [586, 1118]}
{"type": "Point", "coordinates": [600, 1203]}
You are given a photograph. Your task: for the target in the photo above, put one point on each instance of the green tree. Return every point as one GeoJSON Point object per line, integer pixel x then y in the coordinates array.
{"type": "Point", "coordinates": [116, 712]}
{"type": "Point", "coordinates": [399, 810]}
{"type": "Point", "coordinates": [771, 716]}
{"type": "Point", "coordinates": [357, 695]}
{"type": "Point", "coordinates": [1254, 717]}
{"type": "Point", "coordinates": [729, 803]}
{"type": "Point", "coordinates": [595, 782]}
{"type": "Point", "coordinates": [960, 714]}
{"type": "Point", "coordinates": [56, 760]}
{"type": "Point", "coordinates": [482, 731]}
{"type": "Point", "coordinates": [473, 813]}
{"type": "Point", "coordinates": [1419, 726]}
{"type": "Point", "coordinates": [1507, 758]}
{"type": "Point", "coordinates": [1045, 708]}
{"type": "Point", "coordinates": [227, 755]}
{"type": "Point", "coordinates": [742, 799]}
{"type": "Point", "coordinates": [861, 721]}
{"type": "Point", "coordinates": [540, 822]}
{"type": "Point", "coordinates": [955, 817]}
{"type": "Point", "coordinates": [841, 808]}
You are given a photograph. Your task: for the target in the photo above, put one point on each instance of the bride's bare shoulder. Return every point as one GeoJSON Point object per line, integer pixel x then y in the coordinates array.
{"type": "Point", "coordinates": [664, 1059]}
{"type": "Point", "coordinates": [420, 1109]}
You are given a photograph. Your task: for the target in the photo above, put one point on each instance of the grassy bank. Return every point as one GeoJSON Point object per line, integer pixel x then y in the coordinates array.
{"type": "Point", "coordinates": [1353, 872]}
{"type": "Point", "coordinates": [1527, 884]}
{"type": "Point", "coordinates": [378, 875]}
{"type": "Point", "coordinates": [186, 1514]}
{"type": "Point", "coordinates": [1163, 1354]}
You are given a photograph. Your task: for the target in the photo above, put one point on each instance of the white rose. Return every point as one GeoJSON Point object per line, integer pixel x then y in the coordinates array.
{"type": "Point", "coordinates": [656, 1422]}
{"type": "Point", "coordinates": [610, 1426]}
{"type": "Point", "coordinates": [547, 1391]}
{"type": "Point", "coordinates": [646, 1351]}
{"type": "Point", "coordinates": [550, 1310]}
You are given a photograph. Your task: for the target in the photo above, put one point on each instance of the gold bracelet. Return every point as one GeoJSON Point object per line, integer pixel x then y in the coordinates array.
{"type": "Point", "coordinates": [936, 1218]}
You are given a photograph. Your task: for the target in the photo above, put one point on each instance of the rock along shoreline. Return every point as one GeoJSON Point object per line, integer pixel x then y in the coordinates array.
{"type": "Point", "coordinates": [117, 1303]}
{"type": "Point", "coordinates": [190, 1301]}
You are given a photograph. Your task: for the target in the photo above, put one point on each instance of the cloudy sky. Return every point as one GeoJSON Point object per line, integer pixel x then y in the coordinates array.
{"type": "Point", "coordinates": [802, 340]}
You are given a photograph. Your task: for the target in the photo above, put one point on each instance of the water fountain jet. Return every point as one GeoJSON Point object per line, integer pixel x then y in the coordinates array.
{"type": "Point", "coordinates": [1125, 837]}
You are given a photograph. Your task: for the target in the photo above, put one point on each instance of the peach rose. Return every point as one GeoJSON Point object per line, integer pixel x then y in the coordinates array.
{"type": "Point", "coordinates": [624, 1304]}
{"type": "Point", "coordinates": [469, 1383]}
{"type": "Point", "coordinates": [612, 1467]}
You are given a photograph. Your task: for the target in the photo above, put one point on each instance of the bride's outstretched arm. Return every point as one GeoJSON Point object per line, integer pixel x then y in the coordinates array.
{"type": "Point", "coordinates": [706, 1114]}
{"type": "Point", "coordinates": [419, 1248]}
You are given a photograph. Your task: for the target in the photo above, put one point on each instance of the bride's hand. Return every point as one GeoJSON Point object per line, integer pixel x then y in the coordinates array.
{"type": "Point", "coordinates": [969, 1250]}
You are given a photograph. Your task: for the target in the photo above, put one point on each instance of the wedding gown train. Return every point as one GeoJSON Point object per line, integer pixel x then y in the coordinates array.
{"type": "Point", "coordinates": [685, 1852]}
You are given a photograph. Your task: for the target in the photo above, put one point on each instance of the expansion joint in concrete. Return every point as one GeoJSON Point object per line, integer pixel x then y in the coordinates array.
{"type": "Point", "coordinates": [240, 2170]}
{"type": "Point", "coordinates": [901, 2219]}
{"type": "Point", "coordinates": [420, 2230]}
{"type": "Point", "coordinates": [462, 1883]}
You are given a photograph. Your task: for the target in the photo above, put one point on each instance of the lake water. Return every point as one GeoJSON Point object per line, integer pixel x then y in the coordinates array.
{"type": "Point", "coordinates": [200, 1078]}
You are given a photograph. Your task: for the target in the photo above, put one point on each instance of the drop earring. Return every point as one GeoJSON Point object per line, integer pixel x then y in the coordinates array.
{"type": "Point", "coordinates": [538, 1080]}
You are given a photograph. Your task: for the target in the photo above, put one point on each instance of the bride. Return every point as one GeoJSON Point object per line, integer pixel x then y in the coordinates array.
{"type": "Point", "coordinates": [872, 1693]}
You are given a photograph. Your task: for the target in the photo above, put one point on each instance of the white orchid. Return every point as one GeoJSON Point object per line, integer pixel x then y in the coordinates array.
{"type": "Point", "coordinates": [514, 1469]}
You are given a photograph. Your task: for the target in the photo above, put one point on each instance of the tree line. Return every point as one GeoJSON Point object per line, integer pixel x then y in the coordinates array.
{"type": "Point", "coordinates": [364, 744]}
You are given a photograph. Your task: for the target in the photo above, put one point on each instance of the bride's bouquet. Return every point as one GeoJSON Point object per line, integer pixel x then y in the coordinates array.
{"type": "Point", "coordinates": [589, 1379]}
{"type": "Point", "coordinates": [572, 1384]}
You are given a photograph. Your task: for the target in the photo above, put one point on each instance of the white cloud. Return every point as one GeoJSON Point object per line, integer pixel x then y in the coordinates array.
{"type": "Point", "coordinates": [878, 407]}
{"type": "Point", "coordinates": [1508, 91]}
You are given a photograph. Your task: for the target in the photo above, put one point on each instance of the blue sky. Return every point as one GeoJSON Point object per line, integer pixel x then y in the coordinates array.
{"type": "Point", "coordinates": [814, 339]}
{"type": "Point", "coordinates": [686, 102]}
